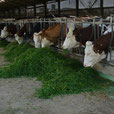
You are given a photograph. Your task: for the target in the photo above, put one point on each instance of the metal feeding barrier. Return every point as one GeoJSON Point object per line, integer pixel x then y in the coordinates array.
{"type": "Point", "coordinates": [79, 51]}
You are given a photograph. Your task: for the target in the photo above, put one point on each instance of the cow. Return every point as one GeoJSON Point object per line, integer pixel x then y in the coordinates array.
{"type": "Point", "coordinates": [79, 36]}
{"type": "Point", "coordinates": [19, 35]}
{"type": "Point", "coordinates": [96, 51]}
{"type": "Point", "coordinates": [50, 36]}
{"type": "Point", "coordinates": [8, 31]}
{"type": "Point", "coordinates": [26, 34]}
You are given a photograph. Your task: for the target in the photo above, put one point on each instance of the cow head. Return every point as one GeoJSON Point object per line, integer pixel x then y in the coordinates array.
{"type": "Point", "coordinates": [70, 41]}
{"type": "Point", "coordinates": [18, 39]}
{"type": "Point", "coordinates": [37, 39]}
{"type": "Point", "coordinates": [5, 29]}
{"type": "Point", "coordinates": [4, 33]}
{"type": "Point", "coordinates": [91, 58]}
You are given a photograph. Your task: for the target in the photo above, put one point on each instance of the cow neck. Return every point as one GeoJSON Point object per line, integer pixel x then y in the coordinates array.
{"type": "Point", "coordinates": [52, 33]}
{"type": "Point", "coordinates": [22, 31]}
{"type": "Point", "coordinates": [102, 43]}
{"type": "Point", "coordinates": [81, 33]}
{"type": "Point", "coordinates": [12, 29]}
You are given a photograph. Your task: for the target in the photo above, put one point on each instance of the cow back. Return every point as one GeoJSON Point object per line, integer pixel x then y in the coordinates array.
{"type": "Point", "coordinates": [84, 34]}
{"type": "Point", "coordinates": [53, 33]}
{"type": "Point", "coordinates": [102, 43]}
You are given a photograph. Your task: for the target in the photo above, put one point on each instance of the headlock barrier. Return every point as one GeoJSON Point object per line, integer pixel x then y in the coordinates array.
{"type": "Point", "coordinates": [79, 51]}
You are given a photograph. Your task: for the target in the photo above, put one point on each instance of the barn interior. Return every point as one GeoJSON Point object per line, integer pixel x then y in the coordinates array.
{"type": "Point", "coordinates": [20, 9]}
{"type": "Point", "coordinates": [56, 56]}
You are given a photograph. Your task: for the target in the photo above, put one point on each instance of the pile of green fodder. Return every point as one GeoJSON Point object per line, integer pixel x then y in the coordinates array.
{"type": "Point", "coordinates": [59, 74]}
{"type": "Point", "coordinates": [13, 50]}
{"type": "Point", "coordinates": [3, 43]}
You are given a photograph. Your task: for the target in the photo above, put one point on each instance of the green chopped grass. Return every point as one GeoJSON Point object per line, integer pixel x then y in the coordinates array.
{"type": "Point", "coordinates": [14, 50]}
{"type": "Point", "coordinates": [59, 75]}
{"type": "Point", "coordinates": [3, 43]}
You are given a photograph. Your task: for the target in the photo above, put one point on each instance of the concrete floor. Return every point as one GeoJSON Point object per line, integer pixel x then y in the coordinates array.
{"type": "Point", "coordinates": [17, 96]}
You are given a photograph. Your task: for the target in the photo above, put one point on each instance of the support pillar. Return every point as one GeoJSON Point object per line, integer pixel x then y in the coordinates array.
{"type": "Point", "coordinates": [101, 8]}
{"type": "Point", "coordinates": [77, 8]}
{"type": "Point", "coordinates": [34, 10]}
{"type": "Point", "coordinates": [19, 12]}
{"type": "Point", "coordinates": [59, 7]}
{"type": "Point", "coordinates": [45, 8]}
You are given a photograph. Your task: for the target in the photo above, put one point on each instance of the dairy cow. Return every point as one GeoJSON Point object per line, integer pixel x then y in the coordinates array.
{"type": "Point", "coordinates": [79, 36]}
{"type": "Point", "coordinates": [50, 36]}
{"type": "Point", "coordinates": [27, 31]}
{"type": "Point", "coordinates": [19, 35]}
{"type": "Point", "coordinates": [96, 51]}
{"type": "Point", "coordinates": [8, 31]}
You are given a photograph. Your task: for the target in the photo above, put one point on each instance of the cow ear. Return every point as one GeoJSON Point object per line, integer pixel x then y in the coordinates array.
{"type": "Point", "coordinates": [89, 43]}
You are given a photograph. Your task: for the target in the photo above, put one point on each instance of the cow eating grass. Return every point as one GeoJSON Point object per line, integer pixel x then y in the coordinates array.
{"type": "Point", "coordinates": [50, 36]}
{"type": "Point", "coordinates": [79, 36]}
{"type": "Point", "coordinates": [19, 35]}
{"type": "Point", "coordinates": [96, 51]}
{"type": "Point", "coordinates": [8, 31]}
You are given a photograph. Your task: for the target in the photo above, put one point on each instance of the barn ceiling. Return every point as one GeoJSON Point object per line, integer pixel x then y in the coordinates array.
{"type": "Point", "coordinates": [12, 4]}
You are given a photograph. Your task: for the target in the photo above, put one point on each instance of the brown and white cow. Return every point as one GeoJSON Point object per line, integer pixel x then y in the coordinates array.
{"type": "Point", "coordinates": [48, 37]}
{"type": "Point", "coordinates": [8, 31]}
{"type": "Point", "coordinates": [79, 36]}
{"type": "Point", "coordinates": [96, 51]}
{"type": "Point", "coordinates": [19, 35]}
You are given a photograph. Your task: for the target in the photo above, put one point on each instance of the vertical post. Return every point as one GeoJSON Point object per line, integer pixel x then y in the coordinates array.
{"type": "Point", "coordinates": [9, 14]}
{"type": "Point", "coordinates": [34, 10]}
{"type": "Point", "coordinates": [6, 14]}
{"type": "Point", "coordinates": [59, 7]}
{"type": "Point", "coordinates": [101, 8]}
{"type": "Point", "coordinates": [13, 13]}
{"type": "Point", "coordinates": [45, 8]}
{"type": "Point", "coordinates": [26, 12]}
{"type": "Point", "coordinates": [19, 12]}
{"type": "Point", "coordinates": [77, 8]}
